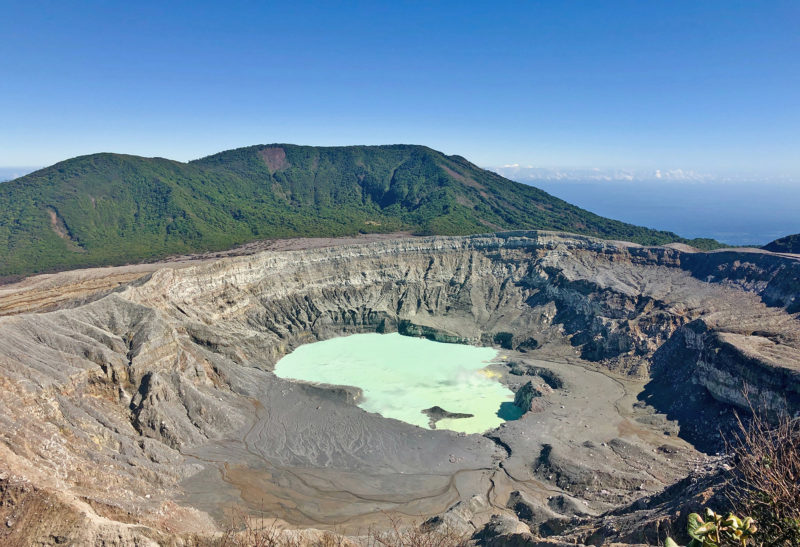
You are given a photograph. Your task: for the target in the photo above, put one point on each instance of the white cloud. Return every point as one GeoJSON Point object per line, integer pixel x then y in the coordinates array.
{"type": "Point", "coordinates": [531, 174]}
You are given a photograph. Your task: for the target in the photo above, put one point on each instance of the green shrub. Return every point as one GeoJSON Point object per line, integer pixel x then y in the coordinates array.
{"type": "Point", "coordinates": [717, 531]}
{"type": "Point", "coordinates": [766, 477]}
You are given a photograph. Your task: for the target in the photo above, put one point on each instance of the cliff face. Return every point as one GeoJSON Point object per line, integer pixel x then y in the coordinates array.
{"type": "Point", "coordinates": [616, 303]}
{"type": "Point", "coordinates": [742, 370]}
{"type": "Point", "coordinates": [129, 379]}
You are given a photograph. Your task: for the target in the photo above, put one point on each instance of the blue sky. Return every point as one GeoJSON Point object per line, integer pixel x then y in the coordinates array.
{"type": "Point", "coordinates": [705, 86]}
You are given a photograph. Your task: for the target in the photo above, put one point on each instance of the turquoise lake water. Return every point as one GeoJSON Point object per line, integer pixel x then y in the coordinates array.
{"type": "Point", "coordinates": [401, 376]}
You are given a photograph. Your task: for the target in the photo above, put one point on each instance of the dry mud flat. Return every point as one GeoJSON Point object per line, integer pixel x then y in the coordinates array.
{"type": "Point", "coordinates": [143, 408]}
{"type": "Point", "coordinates": [314, 460]}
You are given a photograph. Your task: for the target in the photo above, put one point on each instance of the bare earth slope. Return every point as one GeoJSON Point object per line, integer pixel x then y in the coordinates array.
{"type": "Point", "coordinates": [142, 405]}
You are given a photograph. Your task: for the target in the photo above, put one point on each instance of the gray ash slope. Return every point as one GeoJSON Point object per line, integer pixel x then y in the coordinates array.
{"type": "Point", "coordinates": [130, 405]}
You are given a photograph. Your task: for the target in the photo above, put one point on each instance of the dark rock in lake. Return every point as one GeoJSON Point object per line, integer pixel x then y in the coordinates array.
{"type": "Point", "coordinates": [436, 413]}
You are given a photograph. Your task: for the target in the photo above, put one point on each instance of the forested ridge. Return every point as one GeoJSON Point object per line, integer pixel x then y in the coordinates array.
{"type": "Point", "coordinates": [112, 208]}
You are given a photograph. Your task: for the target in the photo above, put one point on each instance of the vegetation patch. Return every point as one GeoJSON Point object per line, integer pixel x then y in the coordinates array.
{"type": "Point", "coordinates": [114, 209]}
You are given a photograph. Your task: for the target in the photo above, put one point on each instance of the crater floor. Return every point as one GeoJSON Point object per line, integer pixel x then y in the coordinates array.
{"type": "Point", "coordinates": [368, 468]}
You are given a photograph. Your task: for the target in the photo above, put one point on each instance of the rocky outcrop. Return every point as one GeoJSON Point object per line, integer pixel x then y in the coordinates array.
{"type": "Point", "coordinates": [524, 397]}
{"type": "Point", "coordinates": [501, 526]}
{"type": "Point", "coordinates": [743, 370]}
{"type": "Point", "coordinates": [458, 519]}
{"type": "Point", "coordinates": [436, 413]}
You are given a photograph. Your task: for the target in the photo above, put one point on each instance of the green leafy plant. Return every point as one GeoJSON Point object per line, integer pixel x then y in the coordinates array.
{"type": "Point", "coordinates": [717, 531]}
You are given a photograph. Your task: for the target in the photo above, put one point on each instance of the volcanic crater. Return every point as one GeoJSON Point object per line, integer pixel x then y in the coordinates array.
{"type": "Point", "coordinates": [143, 405]}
